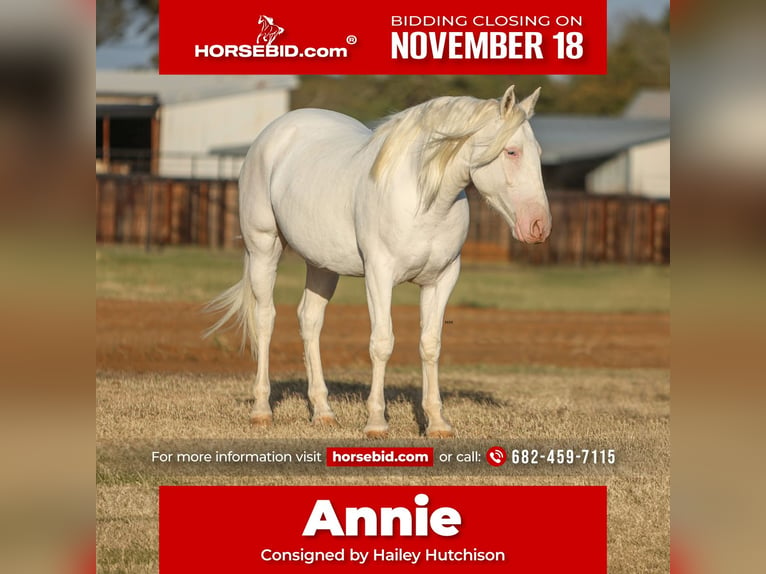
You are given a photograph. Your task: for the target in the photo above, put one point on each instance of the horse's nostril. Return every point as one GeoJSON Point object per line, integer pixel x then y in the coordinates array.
{"type": "Point", "coordinates": [537, 229]}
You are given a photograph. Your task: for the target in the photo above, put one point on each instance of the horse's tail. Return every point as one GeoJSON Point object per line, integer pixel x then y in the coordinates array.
{"type": "Point", "coordinates": [238, 304]}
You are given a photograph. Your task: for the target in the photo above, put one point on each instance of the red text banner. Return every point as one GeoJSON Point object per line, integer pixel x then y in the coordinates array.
{"type": "Point", "coordinates": [545, 530]}
{"type": "Point", "coordinates": [394, 37]}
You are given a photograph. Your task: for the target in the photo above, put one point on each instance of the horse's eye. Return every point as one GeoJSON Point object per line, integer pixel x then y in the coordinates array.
{"type": "Point", "coordinates": [512, 152]}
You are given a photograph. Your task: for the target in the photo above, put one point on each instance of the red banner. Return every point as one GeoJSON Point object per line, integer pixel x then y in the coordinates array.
{"type": "Point", "coordinates": [546, 530]}
{"type": "Point", "coordinates": [394, 37]}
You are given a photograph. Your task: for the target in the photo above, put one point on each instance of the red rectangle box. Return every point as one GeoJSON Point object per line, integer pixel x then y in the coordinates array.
{"type": "Point", "coordinates": [393, 37]}
{"type": "Point", "coordinates": [379, 456]}
{"type": "Point", "coordinates": [284, 529]}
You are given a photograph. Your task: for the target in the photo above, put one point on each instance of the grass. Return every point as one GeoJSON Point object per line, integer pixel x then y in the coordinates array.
{"type": "Point", "coordinates": [193, 274]}
{"type": "Point", "coordinates": [627, 410]}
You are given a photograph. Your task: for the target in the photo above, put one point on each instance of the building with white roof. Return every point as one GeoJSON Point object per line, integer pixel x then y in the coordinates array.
{"type": "Point", "coordinates": [623, 155]}
{"type": "Point", "coordinates": [182, 126]}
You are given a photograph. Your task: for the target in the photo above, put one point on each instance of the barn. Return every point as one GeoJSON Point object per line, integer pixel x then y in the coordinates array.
{"type": "Point", "coordinates": [182, 126]}
{"type": "Point", "coordinates": [622, 155]}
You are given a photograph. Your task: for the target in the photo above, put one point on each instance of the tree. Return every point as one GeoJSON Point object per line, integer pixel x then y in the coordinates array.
{"type": "Point", "coordinates": [115, 17]}
{"type": "Point", "coordinates": [639, 58]}
{"type": "Point", "coordinates": [370, 98]}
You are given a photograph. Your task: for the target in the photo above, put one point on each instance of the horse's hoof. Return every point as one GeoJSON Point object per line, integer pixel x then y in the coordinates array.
{"type": "Point", "coordinates": [376, 434]}
{"type": "Point", "coordinates": [325, 421]}
{"type": "Point", "coordinates": [261, 420]}
{"type": "Point", "coordinates": [441, 433]}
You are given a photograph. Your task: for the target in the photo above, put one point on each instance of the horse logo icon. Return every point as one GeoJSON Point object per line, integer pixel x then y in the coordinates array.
{"type": "Point", "coordinates": [269, 30]}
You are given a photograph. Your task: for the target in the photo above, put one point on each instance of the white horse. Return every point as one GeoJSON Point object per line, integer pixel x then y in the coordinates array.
{"type": "Point", "coordinates": [388, 205]}
{"type": "Point", "coordinates": [269, 30]}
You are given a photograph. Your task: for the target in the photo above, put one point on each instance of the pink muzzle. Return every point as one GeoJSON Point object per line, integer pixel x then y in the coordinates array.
{"type": "Point", "coordinates": [533, 225]}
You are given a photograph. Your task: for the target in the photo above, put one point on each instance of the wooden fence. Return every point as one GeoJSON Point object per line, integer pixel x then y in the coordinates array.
{"type": "Point", "coordinates": [586, 228]}
{"type": "Point", "coordinates": [153, 210]}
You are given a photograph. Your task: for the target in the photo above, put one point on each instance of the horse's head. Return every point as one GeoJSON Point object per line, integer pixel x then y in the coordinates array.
{"type": "Point", "coordinates": [505, 169]}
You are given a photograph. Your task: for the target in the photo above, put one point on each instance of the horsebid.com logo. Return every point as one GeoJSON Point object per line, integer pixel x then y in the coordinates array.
{"type": "Point", "coordinates": [265, 47]}
{"type": "Point", "coordinates": [269, 30]}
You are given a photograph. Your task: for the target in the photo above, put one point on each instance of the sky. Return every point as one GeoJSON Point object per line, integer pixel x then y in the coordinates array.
{"type": "Point", "coordinates": [136, 51]}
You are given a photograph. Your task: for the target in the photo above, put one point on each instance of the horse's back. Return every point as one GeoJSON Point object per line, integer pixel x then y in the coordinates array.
{"type": "Point", "coordinates": [284, 139]}
{"type": "Point", "coordinates": [305, 169]}
{"type": "Point", "coordinates": [335, 122]}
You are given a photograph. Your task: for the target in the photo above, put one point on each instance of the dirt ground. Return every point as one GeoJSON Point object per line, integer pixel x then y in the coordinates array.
{"type": "Point", "coordinates": [141, 336]}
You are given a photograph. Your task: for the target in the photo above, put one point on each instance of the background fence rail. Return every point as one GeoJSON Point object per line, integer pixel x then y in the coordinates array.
{"type": "Point", "coordinates": [151, 210]}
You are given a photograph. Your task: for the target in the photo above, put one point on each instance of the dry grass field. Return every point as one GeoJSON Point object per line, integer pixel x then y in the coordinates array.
{"type": "Point", "coordinates": [603, 382]}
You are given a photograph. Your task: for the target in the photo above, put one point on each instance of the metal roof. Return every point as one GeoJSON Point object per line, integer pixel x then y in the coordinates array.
{"type": "Point", "coordinates": [120, 111]}
{"type": "Point", "coordinates": [573, 138]}
{"type": "Point", "coordinates": [173, 89]}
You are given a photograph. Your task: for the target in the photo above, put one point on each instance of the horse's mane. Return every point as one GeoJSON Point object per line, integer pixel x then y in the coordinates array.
{"type": "Point", "coordinates": [441, 126]}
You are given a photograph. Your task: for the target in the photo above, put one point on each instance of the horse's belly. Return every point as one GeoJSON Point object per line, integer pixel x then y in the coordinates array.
{"type": "Point", "coordinates": [328, 255]}
{"type": "Point", "coordinates": [323, 234]}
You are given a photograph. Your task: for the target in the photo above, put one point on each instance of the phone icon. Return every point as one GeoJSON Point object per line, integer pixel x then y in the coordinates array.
{"type": "Point", "coordinates": [496, 456]}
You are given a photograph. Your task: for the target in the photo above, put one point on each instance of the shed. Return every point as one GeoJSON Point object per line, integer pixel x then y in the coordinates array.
{"type": "Point", "coordinates": [628, 154]}
{"type": "Point", "coordinates": [641, 169]}
{"type": "Point", "coordinates": [175, 126]}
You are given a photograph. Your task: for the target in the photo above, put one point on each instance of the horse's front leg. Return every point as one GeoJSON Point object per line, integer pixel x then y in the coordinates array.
{"type": "Point", "coordinates": [433, 301]}
{"type": "Point", "coordinates": [378, 284]}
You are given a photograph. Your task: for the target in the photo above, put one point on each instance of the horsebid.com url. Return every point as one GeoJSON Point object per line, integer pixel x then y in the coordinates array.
{"type": "Point", "coordinates": [263, 51]}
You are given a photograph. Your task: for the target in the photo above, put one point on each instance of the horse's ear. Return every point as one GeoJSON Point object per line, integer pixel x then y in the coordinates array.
{"type": "Point", "coordinates": [528, 103]}
{"type": "Point", "coordinates": [508, 101]}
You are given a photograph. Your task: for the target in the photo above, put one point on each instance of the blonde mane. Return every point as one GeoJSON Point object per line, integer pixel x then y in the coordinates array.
{"type": "Point", "coordinates": [440, 126]}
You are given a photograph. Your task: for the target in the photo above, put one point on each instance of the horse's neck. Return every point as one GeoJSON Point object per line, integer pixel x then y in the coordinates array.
{"type": "Point", "coordinates": [456, 179]}
{"type": "Point", "coordinates": [456, 176]}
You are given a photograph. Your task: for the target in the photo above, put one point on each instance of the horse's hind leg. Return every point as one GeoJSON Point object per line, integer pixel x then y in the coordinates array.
{"type": "Point", "coordinates": [320, 287]}
{"type": "Point", "coordinates": [264, 250]}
